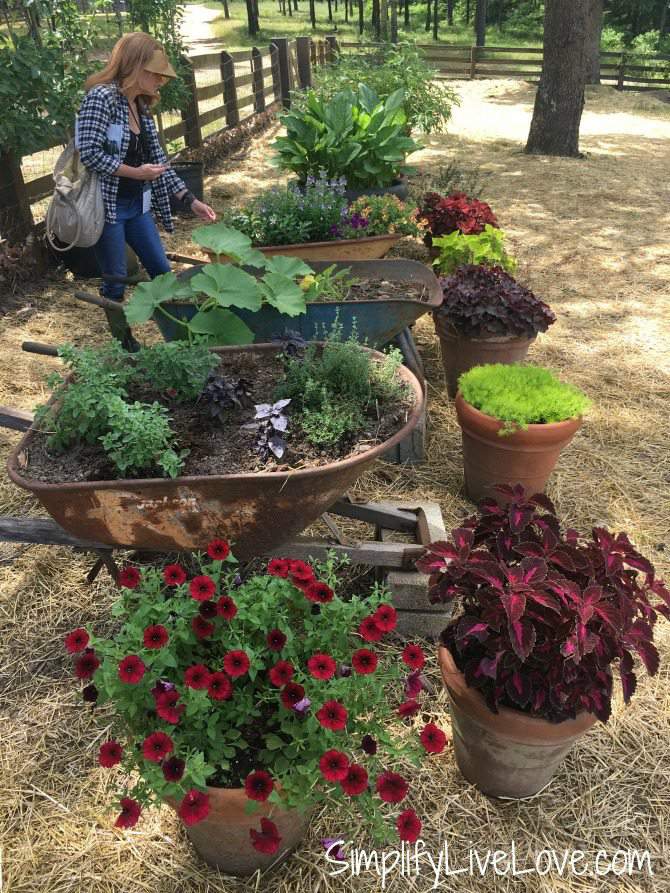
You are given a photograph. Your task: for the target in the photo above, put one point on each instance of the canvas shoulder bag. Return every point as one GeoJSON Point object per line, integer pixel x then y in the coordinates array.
{"type": "Point", "coordinates": [76, 214]}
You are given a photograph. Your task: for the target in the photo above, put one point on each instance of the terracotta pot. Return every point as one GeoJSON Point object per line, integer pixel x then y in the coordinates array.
{"type": "Point", "coordinates": [460, 353]}
{"type": "Point", "coordinates": [504, 754]}
{"type": "Point", "coordinates": [223, 840]}
{"type": "Point", "coordinates": [525, 457]}
{"type": "Point", "coordinates": [367, 248]}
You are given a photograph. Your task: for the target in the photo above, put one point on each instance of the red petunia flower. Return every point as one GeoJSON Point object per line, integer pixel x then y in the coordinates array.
{"type": "Point", "coordinates": [194, 807]}
{"type": "Point", "coordinates": [76, 641]}
{"type": "Point", "coordinates": [86, 665]}
{"type": "Point", "coordinates": [166, 706]}
{"type": "Point", "coordinates": [226, 607]}
{"type": "Point", "coordinates": [207, 610]}
{"type": "Point", "coordinates": [131, 669]}
{"type": "Point", "coordinates": [433, 738]}
{"type": "Point", "coordinates": [130, 813]}
{"type": "Point", "coordinates": [201, 627]}
{"type": "Point", "coordinates": [110, 754]}
{"type": "Point", "coordinates": [266, 840]}
{"type": "Point", "coordinates": [220, 687]}
{"type": "Point", "coordinates": [364, 661]}
{"type": "Point", "coordinates": [281, 674]}
{"type": "Point", "coordinates": [129, 577]}
{"type": "Point", "coordinates": [275, 639]}
{"type": "Point", "coordinates": [173, 769]}
{"type": "Point", "coordinates": [391, 787]}
{"type": "Point", "coordinates": [278, 567]}
{"type": "Point", "coordinates": [258, 785]}
{"type": "Point", "coordinates": [386, 618]}
{"type": "Point", "coordinates": [292, 694]}
{"type": "Point", "coordinates": [369, 630]}
{"type": "Point", "coordinates": [196, 676]}
{"type": "Point", "coordinates": [218, 550]}
{"type": "Point", "coordinates": [236, 663]}
{"type": "Point", "coordinates": [413, 656]}
{"type": "Point", "coordinates": [356, 780]}
{"type": "Point", "coordinates": [174, 575]}
{"type": "Point", "coordinates": [320, 593]}
{"type": "Point", "coordinates": [409, 708]}
{"type": "Point", "coordinates": [334, 765]}
{"type": "Point", "coordinates": [409, 826]}
{"type": "Point", "coordinates": [301, 574]}
{"type": "Point", "coordinates": [202, 588]}
{"type": "Point", "coordinates": [369, 745]}
{"type": "Point", "coordinates": [332, 716]}
{"type": "Point", "coordinates": [155, 636]}
{"type": "Point", "coordinates": [321, 666]}
{"type": "Point", "coordinates": [157, 746]}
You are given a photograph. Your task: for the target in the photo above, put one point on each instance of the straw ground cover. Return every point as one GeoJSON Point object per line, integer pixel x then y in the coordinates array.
{"type": "Point", "coordinates": [591, 236]}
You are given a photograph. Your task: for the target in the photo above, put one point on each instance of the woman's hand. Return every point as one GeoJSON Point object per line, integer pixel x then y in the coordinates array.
{"type": "Point", "coordinates": [203, 211]}
{"type": "Point", "coordinates": [150, 171]}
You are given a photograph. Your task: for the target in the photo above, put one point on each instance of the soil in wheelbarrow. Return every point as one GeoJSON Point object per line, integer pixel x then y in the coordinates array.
{"type": "Point", "coordinates": [217, 447]}
{"type": "Point", "coordinates": [381, 290]}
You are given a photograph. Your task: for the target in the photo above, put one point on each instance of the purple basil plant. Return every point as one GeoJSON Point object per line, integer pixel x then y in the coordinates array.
{"type": "Point", "coordinates": [546, 614]}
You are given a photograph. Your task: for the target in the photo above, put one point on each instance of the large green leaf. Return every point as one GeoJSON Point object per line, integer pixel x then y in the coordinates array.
{"type": "Point", "coordinates": [283, 293]}
{"type": "Point", "coordinates": [229, 286]}
{"type": "Point", "coordinates": [147, 296]}
{"type": "Point", "coordinates": [288, 266]}
{"type": "Point", "coordinates": [222, 239]}
{"type": "Point", "coordinates": [221, 327]}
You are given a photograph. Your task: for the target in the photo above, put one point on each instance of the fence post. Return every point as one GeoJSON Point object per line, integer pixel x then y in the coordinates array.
{"type": "Point", "coordinates": [284, 70]}
{"type": "Point", "coordinates": [312, 53]}
{"type": "Point", "coordinates": [189, 114]}
{"type": "Point", "coordinates": [302, 52]}
{"type": "Point", "coordinates": [332, 49]}
{"type": "Point", "coordinates": [274, 65]}
{"type": "Point", "coordinates": [227, 65]}
{"type": "Point", "coordinates": [622, 72]}
{"type": "Point", "coordinates": [473, 62]}
{"type": "Point", "coordinates": [16, 219]}
{"type": "Point", "coordinates": [322, 52]}
{"type": "Point", "coordinates": [258, 83]}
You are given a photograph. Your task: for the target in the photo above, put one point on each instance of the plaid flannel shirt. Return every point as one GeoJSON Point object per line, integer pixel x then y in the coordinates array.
{"type": "Point", "coordinates": [103, 105]}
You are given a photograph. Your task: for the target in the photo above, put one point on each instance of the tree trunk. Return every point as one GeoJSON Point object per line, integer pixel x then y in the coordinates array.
{"type": "Point", "coordinates": [408, 23]}
{"type": "Point", "coordinates": [312, 13]}
{"type": "Point", "coordinates": [594, 27]}
{"type": "Point", "coordinates": [467, 12]}
{"type": "Point", "coordinates": [436, 13]}
{"type": "Point", "coordinates": [450, 12]}
{"type": "Point", "coordinates": [361, 17]}
{"type": "Point", "coordinates": [226, 10]}
{"type": "Point", "coordinates": [376, 19]}
{"type": "Point", "coordinates": [559, 102]}
{"type": "Point", "coordinates": [394, 21]}
{"type": "Point", "coordinates": [384, 20]}
{"type": "Point", "coordinates": [251, 19]}
{"type": "Point", "coordinates": [663, 26]}
{"type": "Point", "coordinates": [480, 23]}
{"type": "Point", "coordinates": [330, 10]}
{"type": "Point", "coordinates": [429, 17]}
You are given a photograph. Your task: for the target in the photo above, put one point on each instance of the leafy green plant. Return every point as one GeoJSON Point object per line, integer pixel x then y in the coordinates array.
{"type": "Point", "coordinates": [330, 284]}
{"type": "Point", "coordinates": [140, 438]}
{"type": "Point", "coordinates": [379, 215]}
{"type": "Point", "coordinates": [353, 134]}
{"type": "Point", "coordinates": [176, 368]}
{"type": "Point", "coordinates": [485, 249]}
{"type": "Point", "coordinates": [520, 395]}
{"type": "Point", "coordinates": [385, 69]}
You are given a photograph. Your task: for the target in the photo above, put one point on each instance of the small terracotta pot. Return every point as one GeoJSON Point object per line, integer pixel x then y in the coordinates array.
{"type": "Point", "coordinates": [526, 457]}
{"type": "Point", "coordinates": [223, 840]}
{"type": "Point", "coordinates": [504, 754]}
{"type": "Point", "coordinates": [460, 353]}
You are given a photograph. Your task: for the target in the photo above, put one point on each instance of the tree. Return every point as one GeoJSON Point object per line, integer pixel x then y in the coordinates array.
{"type": "Point", "coordinates": [559, 101]}
{"type": "Point", "coordinates": [593, 33]}
{"type": "Point", "coordinates": [480, 23]}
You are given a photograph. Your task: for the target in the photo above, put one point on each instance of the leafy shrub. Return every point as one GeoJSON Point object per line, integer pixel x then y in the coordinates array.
{"type": "Point", "coordinates": [176, 367]}
{"type": "Point", "coordinates": [427, 103]}
{"type": "Point", "coordinates": [545, 613]}
{"type": "Point", "coordinates": [378, 215]}
{"type": "Point", "coordinates": [353, 135]}
{"type": "Point", "coordinates": [487, 248]}
{"type": "Point", "coordinates": [483, 301]}
{"type": "Point", "coordinates": [455, 213]}
{"type": "Point", "coordinates": [272, 684]}
{"type": "Point", "coordinates": [455, 176]}
{"type": "Point", "coordinates": [521, 395]}
{"type": "Point", "coordinates": [139, 438]}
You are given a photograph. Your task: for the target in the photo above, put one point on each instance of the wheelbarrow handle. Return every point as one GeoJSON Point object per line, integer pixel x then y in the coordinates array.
{"type": "Point", "coordinates": [46, 350]}
{"type": "Point", "coordinates": [184, 259]}
{"type": "Point", "coordinates": [99, 301]}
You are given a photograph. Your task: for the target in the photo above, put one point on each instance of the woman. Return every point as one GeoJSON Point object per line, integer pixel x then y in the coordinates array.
{"type": "Point", "coordinates": [117, 138]}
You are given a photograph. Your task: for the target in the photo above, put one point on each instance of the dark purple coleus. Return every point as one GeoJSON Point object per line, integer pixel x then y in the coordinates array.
{"type": "Point", "coordinates": [546, 614]}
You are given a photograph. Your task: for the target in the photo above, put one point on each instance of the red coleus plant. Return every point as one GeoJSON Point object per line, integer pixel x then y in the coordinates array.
{"type": "Point", "coordinates": [269, 685]}
{"type": "Point", "coordinates": [447, 214]}
{"type": "Point", "coordinates": [547, 615]}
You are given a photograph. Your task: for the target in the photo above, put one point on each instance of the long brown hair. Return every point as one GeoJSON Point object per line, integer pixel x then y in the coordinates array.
{"type": "Point", "coordinates": [129, 56]}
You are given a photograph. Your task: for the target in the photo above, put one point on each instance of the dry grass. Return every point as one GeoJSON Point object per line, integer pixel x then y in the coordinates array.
{"type": "Point", "coordinates": [592, 239]}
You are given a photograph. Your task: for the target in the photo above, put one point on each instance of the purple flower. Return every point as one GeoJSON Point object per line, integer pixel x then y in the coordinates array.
{"type": "Point", "coordinates": [344, 670]}
{"type": "Point", "coordinates": [302, 706]}
{"type": "Point", "coordinates": [357, 222]}
{"type": "Point", "coordinates": [334, 230]}
{"type": "Point", "coordinates": [237, 580]}
{"type": "Point", "coordinates": [329, 842]}
{"type": "Point", "coordinates": [415, 684]}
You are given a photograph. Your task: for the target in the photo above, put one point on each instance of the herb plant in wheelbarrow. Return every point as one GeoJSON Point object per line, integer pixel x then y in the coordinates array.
{"type": "Point", "coordinates": [244, 704]}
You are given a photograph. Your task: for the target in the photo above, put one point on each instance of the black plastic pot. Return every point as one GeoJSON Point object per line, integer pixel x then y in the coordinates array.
{"type": "Point", "coordinates": [192, 173]}
{"type": "Point", "coordinates": [83, 263]}
{"type": "Point", "coordinates": [399, 188]}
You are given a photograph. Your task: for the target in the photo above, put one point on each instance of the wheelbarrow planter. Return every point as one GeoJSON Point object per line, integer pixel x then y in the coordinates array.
{"type": "Point", "coordinates": [256, 511]}
{"type": "Point", "coordinates": [366, 248]}
{"type": "Point", "coordinates": [376, 321]}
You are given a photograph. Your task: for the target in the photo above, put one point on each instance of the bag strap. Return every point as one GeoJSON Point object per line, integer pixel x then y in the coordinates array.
{"type": "Point", "coordinates": [49, 219]}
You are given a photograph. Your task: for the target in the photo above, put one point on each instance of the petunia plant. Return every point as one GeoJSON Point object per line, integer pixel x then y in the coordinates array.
{"type": "Point", "coordinates": [273, 684]}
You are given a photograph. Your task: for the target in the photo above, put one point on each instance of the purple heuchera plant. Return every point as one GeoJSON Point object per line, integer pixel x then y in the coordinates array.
{"type": "Point", "coordinates": [483, 301]}
{"type": "Point", "coordinates": [545, 613]}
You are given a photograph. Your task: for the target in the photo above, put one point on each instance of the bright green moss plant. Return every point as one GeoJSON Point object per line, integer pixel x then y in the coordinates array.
{"type": "Point", "coordinates": [520, 395]}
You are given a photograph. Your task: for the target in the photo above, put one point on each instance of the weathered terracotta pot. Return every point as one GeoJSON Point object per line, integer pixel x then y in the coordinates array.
{"type": "Point", "coordinates": [367, 248]}
{"type": "Point", "coordinates": [223, 840]}
{"type": "Point", "coordinates": [460, 353]}
{"type": "Point", "coordinates": [526, 457]}
{"type": "Point", "coordinates": [504, 754]}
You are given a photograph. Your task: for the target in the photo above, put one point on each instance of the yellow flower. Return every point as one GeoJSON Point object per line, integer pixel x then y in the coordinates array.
{"type": "Point", "coordinates": [307, 282]}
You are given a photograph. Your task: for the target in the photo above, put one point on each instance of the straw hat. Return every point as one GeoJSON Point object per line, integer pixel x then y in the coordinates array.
{"type": "Point", "coordinates": [160, 64]}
